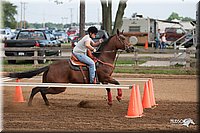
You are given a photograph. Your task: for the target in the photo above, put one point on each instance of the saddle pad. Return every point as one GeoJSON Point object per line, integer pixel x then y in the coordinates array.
{"type": "Point", "coordinates": [77, 67]}
{"type": "Point", "coordinates": [76, 62]}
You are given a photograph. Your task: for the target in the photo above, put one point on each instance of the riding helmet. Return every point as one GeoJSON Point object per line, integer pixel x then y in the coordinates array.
{"type": "Point", "coordinates": [92, 29]}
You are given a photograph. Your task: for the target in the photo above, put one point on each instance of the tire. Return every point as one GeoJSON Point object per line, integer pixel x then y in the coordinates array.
{"type": "Point", "coordinates": [42, 61]}
{"type": "Point", "coordinates": [59, 53]}
{"type": "Point", "coordinates": [11, 61]}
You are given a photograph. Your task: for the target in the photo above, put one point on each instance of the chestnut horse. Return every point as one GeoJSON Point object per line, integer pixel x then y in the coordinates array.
{"type": "Point", "coordinates": [61, 72]}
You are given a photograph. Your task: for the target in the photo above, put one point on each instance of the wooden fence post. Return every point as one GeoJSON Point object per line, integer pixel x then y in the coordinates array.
{"type": "Point", "coordinates": [136, 57]}
{"type": "Point", "coordinates": [187, 58]}
{"type": "Point", "coordinates": [35, 57]}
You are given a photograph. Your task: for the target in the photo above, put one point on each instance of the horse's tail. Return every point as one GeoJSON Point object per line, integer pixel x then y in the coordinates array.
{"type": "Point", "coordinates": [28, 74]}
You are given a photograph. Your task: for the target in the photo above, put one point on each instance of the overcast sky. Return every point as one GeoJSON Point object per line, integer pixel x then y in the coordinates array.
{"type": "Point", "coordinates": [48, 11]}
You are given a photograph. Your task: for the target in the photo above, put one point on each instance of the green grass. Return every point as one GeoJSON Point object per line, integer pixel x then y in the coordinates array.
{"type": "Point", "coordinates": [154, 70]}
{"type": "Point", "coordinates": [122, 66]}
{"type": "Point", "coordinates": [128, 61]}
{"type": "Point", "coordinates": [20, 66]}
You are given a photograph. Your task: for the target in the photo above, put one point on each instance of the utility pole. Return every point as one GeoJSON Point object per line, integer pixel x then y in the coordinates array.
{"type": "Point", "coordinates": [22, 21]}
{"type": "Point", "coordinates": [43, 25]}
{"type": "Point", "coordinates": [21, 15]}
{"type": "Point", "coordinates": [24, 15]}
{"type": "Point", "coordinates": [64, 18]}
{"type": "Point", "coordinates": [82, 18]}
{"type": "Point", "coordinates": [71, 15]}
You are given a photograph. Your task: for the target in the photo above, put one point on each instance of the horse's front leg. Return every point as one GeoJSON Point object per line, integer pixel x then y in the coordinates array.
{"type": "Point", "coordinates": [119, 91]}
{"type": "Point", "coordinates": [109, 94]}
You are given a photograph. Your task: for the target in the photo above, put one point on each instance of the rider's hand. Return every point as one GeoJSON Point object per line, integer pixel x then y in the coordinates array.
{"type": "Point", "coordinates": [94, 50]}
{"type": "Point", "coordinates": [100, 40]}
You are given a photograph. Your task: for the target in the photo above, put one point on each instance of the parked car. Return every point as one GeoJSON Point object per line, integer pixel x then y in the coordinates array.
{"type": "Point", "coordinates": [72, 32]}
{"type": "Point", "coordinates": [33, 38]}
{"type": "Point", "coordinates": [6, 34]}
{"type": "Point", "coordinates": [102, 34]}
{"type": "Point", "coordinates": [61, 36]}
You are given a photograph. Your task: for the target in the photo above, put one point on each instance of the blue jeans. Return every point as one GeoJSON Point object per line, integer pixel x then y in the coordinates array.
{"type": "Point", "coordinates": [87, 60]}
{"type": "Point", "coordinates": [163, 45]}
{"type": "Point", "coordinates": [157, 44]}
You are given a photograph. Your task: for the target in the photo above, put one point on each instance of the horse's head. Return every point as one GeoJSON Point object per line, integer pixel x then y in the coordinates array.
{"type": "Point", "coordinates": [122, 42]}
{"type": "Point", "coordinates": [187, 122]}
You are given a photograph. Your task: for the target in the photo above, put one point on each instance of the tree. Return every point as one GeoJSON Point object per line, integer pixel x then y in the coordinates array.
{"type": "Point", "coordinates": [107, 15]}
{"type": "Point", "coordinates": [187, 19]}
{"type": "Point", "coordinates": [8, 12]}
{"type": "Point", "coordinates": [176, 16]}
{"type": "Point", "coordinates": [118, 19]}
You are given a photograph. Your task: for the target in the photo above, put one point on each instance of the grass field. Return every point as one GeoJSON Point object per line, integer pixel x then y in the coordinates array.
{"type": "Point", "coordinates": [122, 66]}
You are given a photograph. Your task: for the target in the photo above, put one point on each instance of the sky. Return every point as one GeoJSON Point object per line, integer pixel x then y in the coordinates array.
{"type": "Point", "coordinates": [40, 11]}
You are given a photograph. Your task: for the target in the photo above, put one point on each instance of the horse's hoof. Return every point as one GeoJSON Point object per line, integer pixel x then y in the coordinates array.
{"type": "Point", "coordinates": [119, 98]}
{"type": "Point", "coordinates": [29, 104]}
{"type": "Point", "coordinates": [110, 103]}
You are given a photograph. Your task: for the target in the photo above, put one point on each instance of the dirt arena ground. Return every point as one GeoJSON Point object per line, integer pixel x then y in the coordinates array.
{"type": "Point", "coordinates": [176, 96]}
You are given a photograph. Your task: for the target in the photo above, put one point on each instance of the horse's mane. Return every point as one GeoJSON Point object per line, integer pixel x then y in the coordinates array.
{"type": "Point", "coordinates": [101, 47]}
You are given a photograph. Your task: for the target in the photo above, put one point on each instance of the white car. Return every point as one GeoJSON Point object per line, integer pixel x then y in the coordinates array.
{"type": "Point", "coordinates": [6, 34]}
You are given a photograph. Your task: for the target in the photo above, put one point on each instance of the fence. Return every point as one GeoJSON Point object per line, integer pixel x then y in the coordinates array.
{"type": "Point", "coordinates": [181, 55]}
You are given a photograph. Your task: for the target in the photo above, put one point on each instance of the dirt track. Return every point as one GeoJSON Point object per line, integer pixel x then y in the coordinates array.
{"type": "Point", "coordinates": [176, 97]}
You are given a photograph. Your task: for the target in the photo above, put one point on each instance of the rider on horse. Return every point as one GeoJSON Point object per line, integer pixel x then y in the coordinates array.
{"type": "Point", "coordinates": [80, 50]}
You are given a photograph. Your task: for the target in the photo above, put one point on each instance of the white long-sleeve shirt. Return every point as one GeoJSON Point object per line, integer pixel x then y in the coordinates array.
{"type": "Point", "coordinates": [80, 46]}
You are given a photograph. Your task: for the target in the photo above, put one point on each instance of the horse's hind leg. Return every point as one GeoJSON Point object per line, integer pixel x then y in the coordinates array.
{"type": "Point", "coordinates": [119, 94]}
{"type": "Point", "coordinates": [43, 93]}
{"type": "Point", "coordinates": [34, 91]}
{"type": "Point", "coordinates": [51, 90]}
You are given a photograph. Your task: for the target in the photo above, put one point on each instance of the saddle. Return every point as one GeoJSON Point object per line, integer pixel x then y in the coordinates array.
{"type": "Point", "coordinates": [76, 65]}
{"type": "Point", "coordinates": [75, 62]}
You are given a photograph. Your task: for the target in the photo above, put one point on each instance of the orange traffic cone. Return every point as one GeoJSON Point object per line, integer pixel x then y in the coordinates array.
{"type": "Point", "coordinates": [146, 103]}
{"type": "Point", "coordinates": [146, 45]}
{"type": "Point", "coordinates": [139, 101]}
{"type": "Point", "coordinates": [133, 110]}
{"type": "Point", "coordinates": [151, 93]}
{"type": "Point", "coordinates": [18, 97]}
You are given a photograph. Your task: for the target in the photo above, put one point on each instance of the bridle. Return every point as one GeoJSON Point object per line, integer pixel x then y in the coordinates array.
{"type": "Point", "coordinates": [122, 42]}
{"type": "Point", "coordinates": [112, 51]}
{"type": "Point", "coordinates": [115, 61]}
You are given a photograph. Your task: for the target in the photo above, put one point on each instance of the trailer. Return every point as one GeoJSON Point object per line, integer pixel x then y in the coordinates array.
{"type": "Point", "coordinates": [146, 28]}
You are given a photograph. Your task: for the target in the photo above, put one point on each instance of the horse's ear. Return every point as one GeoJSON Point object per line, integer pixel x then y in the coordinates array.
{"type": "Point", "coordinates": [117, 31]}
{"type": "Point", "coordinates": [122, 31]}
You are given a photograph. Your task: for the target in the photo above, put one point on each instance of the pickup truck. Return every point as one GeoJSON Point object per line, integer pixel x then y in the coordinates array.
{"type": "Point", "coordinates": [32, 38]}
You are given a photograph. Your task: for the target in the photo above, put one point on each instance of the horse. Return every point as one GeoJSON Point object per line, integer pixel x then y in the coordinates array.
{"type": "Point", "coordinates": [187, 122]}
{"type": "Point", "coordinates": [61, 72]}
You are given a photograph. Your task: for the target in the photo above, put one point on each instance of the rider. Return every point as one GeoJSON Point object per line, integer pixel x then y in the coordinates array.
{"type": "Point", "coordinates": [80, 50]}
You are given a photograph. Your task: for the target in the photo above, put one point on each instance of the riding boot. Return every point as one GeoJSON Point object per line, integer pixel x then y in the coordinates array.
{"type": "Point", "coordinates": [96, 81]}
